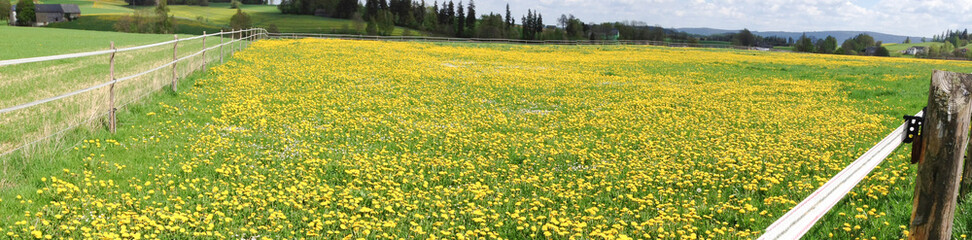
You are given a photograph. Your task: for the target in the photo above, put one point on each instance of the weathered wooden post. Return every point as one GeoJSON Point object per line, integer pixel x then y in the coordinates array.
{"type": "Point", "coordinates": [945, 135]}
{"type": "Point", "coordinates": [175, 47]}
{"type": "Point", "coordinates": [232, 38]}
{"type": "Point", "coordinates": [204, 51]}
{"type": "Point", "coordinates": [111, 90]}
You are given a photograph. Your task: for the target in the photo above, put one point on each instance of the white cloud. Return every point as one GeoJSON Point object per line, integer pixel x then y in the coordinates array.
{"type": "Point", "coordinates": [903, 17]}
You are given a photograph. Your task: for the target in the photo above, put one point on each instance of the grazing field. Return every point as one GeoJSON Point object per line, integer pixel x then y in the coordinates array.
{"type": "Point", "coordinates": [25, 83]}
{"type": "Point", "coordinates": [101, 15]}
{"type": "Point", "coordinates": [23, 42]}
{"type": "Point", "coordinates": [365, 139]}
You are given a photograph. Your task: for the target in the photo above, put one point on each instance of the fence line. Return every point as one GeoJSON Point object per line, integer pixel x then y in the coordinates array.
{"type": "Point", "coordinates": [796, 222]}
{"type": "Point", "coordinates": [244, 35]}
{"type": "Point", "coordinates": [102, 52]}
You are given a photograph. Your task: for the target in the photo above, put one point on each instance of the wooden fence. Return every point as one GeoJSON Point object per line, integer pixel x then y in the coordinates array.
{"type": "Point", "coordinates": [239, 40]}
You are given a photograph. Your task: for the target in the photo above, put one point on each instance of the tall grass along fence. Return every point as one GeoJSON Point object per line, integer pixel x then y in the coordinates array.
{"type": "Point", "coordinates": [43, 99]}
{"type": "Point", "coordinates": [507, 41]}
{"type": "Point", "coordinates": [944, 168]}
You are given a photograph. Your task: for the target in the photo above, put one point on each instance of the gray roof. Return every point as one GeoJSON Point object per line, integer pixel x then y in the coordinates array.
{"type": "Point", "coordinates": [70, 8]}
{"type": "Point", "coordinates": [57, 8]}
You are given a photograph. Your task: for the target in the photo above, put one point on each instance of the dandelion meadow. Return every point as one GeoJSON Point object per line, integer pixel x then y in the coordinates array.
{"type": "Point", "coordinates": [335, 139]}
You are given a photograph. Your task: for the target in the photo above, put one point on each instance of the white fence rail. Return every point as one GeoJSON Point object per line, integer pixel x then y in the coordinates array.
{"type": "Point", "coordinates": [792, 225]}
{"type": "Point", "coordinates": [237, 36]}
{"type": "Point", "coordinates": [796, 222]}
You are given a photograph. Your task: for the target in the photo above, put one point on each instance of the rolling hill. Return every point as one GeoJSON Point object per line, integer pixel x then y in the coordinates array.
{"type": "Point", "coordinates": [840, 35]}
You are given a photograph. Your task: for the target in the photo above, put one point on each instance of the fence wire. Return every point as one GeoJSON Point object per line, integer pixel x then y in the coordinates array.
{"type": "Point", "coordinates": [244, 35]}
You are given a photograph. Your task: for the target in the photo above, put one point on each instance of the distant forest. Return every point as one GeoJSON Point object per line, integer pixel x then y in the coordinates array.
{"type": "Point", "coordinates": [378, 17]}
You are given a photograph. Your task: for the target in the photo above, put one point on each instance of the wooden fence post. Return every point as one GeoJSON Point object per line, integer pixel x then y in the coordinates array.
{"type": "Point", "coordinates": [175, 47]}
{"type": "Point", "coordinates": [204, 51]}
{"type": "Point", "coordinates": [945, 135]}
{"type": "Point", "coordinates": [220, 46]}
{"type": "Point", "coordinates": [111, 90]}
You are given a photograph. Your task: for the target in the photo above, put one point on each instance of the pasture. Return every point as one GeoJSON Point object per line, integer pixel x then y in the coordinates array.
{"type": "Point", "coordinates": [386, 140]}
{"type": "Point", "coordinates": [102, 15]}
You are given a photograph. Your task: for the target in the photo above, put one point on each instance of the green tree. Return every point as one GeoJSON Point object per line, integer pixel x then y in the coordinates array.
{"type": "Point", "coordinates": [907, 40]}
{"type": "Point", "coordinates": [471, 18]}
{"type": "Point", "coordinates": [849, 46]}
{"type": "Point", "coordinates": [804, 44]}
{"type": "Point", "coordinates": [745, 38]}
{"type": "Point", "coordinates": [164, 23]}
{"type": "Point", "coordinates": [372, 28]}
{"type": "Point", "coordinates": [240, 20]}
{"type": "Point", "coordinates": [828, 45]}
{"type": "Point", "coordinates": [346, 8]}
{"type": "Point", "coordinates": [882, 52]}
{"type": "Point", "coordinates": [863, 41]}
{"type": "Point", "coordinates": [460, 21]}
{"type": "Point", "coordinates": [5, 11]}
{"type": "Point", "coordinates": [386, 23]}
{"type": "Point", "coordinates": [491, 26]}
{"type": "Point", "coordinates": [509, 18]}
{"type": "Point", "coordinates": [25, 12]}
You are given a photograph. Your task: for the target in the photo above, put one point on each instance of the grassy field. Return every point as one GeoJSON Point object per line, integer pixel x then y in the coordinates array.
{"type": "Point", "coordinates": [361, 139]}
{"type": "Point", "coordinates": [29, 82]}
{"type": "Point", "coordinates": [21, 42]}
{"type": "Point", "coordinates": [101, 15]}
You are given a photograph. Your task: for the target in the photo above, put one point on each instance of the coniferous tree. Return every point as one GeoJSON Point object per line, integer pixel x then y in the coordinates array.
{"type": "Point", "coordinates": [371, 9]}
{"type": "Point", "coordinates": [460, 21]}
{"type": "Point", "coordinates": [539, 23]}
{"type": "Point", "coordinates": [471, 18]}
{"type": "Point", "coordinates": [509, 17]}
{"type": "Point", "coordinates": [346, 8]}
{"type": "Point", "coordinates": [526, 22]}
{"type": "Point", "coordinates": [451, 14]}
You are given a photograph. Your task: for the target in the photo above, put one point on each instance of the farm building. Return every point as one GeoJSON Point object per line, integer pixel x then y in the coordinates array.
{"type": "Point", "coordinates": [914, 50]}
{"type": "Point", "coordinates": [50, 13]}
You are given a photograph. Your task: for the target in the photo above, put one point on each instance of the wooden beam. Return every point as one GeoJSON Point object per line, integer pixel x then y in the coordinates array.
{"type": "Point", "coordinates": [945, 136]}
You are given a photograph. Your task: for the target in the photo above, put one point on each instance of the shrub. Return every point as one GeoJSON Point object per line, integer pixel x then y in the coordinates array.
{"type": "Point", "coordinates": [235, 4]}
{"type": "Point", "coordinates": [240, 20]}
{"type": "Point", "coordinates": [273, 28]}
{"type": "Point", "coordinates": [25, 12]}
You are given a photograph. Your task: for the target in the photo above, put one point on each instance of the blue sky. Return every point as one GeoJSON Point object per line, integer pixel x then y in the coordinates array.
{"type": "Point", "coordinates": [902, 17]}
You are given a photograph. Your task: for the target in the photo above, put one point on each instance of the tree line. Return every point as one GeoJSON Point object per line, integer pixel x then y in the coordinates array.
{"type": "Point", "coordinates": [460, 19]}
{"type": "Point", "coordinates": [233, 3]}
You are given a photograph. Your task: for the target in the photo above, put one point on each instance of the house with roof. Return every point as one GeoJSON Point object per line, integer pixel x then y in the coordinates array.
{"type": "Point", "coordinates": [915, 50]}
{"type": "Point", "coordinates": [50, 13]}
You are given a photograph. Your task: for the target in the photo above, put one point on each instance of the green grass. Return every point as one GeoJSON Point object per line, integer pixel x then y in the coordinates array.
{"type": "Point", "coordinates": [107, 22]}
{"type": "Point", "coordinates": [94, 7]}
{"type": "Point", "coordinates": [24, 42]}
{"type": "Point", "coordinates": [102, 15]}
{"type": "Point", "coordinates": [348, 111]}
{"type": "Point", "coordinates": [29, 82]}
